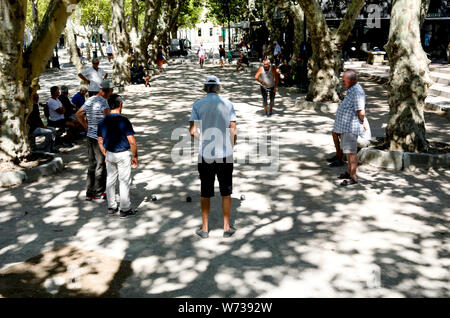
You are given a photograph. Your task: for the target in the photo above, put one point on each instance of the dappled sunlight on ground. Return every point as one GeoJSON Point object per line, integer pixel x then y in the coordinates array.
{"type": "Point", "coordinates": [299, 234]}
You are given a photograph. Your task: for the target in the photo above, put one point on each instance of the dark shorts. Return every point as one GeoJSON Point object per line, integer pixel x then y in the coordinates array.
{"type": "Point", "coordinates": [208, 172]}
{"type": "Point", "coordinates": [110, 54]}
{"type": "Point", "coordinates": [270, 92]}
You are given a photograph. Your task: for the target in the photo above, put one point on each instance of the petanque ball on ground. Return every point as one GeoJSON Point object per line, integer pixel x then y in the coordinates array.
{"type": "Point", "coordinates": [188, 199]}
{"type": "Point", "coordinates": [154, 198]}
{"type": "Point", "coordinates": [242, 197]}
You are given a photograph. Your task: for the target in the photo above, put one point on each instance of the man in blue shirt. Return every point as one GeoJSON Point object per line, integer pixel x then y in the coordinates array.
{"type": "Point", "coordinates": [115, 138]}
{"type": "Point", "coordinates": [79, 98]}
{"type": "Point", "coordinates": [217, 121]}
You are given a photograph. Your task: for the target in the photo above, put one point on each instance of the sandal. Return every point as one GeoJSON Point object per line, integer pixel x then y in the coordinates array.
{"type": "Point", "coordinates": [230, 232]}
{"type": "Point", "coordinates": [202, 234]}
{"type": "Point", "coordinates": [344, 175]}
{"type": "Point", "coordinates": [348, 182]}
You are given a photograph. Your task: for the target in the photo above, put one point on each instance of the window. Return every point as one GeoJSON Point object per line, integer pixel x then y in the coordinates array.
{"type": "Point", "coordinates": [199, 32]}
{"type": "Point", "coordinates": [211, 32]}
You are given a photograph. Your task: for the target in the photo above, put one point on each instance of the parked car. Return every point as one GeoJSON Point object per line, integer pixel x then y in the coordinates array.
{"type": "Point", "coordinates": [179, 47]}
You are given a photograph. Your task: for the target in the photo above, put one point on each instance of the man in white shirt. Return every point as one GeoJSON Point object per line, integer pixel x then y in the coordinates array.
{"type": "Point", "coordinates": [93, 76]}
{"type": "Point", "coordinates": [110, 52]}
{"type": "Point", "coordinates": [56, 117]}
{"type": "Point", "coordinates": [217, 120]}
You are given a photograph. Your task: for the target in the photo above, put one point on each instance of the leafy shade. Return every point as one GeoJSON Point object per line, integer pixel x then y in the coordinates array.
{"type": "Point", "coordinates": [220, 10]}
{"type": "Point", "coordinates": [95, 13]}
{"type": "Point", "coordinates": [42, 8]}
{"type": "Point", "coordinates": [190, 13]}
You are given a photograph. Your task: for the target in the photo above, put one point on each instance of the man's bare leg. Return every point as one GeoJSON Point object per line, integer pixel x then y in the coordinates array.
{"type": "Point", "coordinates": [226, 208]}
{"type": "Point", "coordinates": [337, 145]}
{"type": "Point", "coordinates": [352, 159]}
{"type": "Point", "coordinates": [205, 204]}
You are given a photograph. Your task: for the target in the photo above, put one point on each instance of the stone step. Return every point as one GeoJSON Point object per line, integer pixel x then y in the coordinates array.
{"type": "Point", "coordinates": [439, 90]}
{"type": "Point", "coordinates": [440, 68]}
{"type": "Point", "coordinates": [440, 78]}
{"type": "Point", "coordinates": [438, 103]}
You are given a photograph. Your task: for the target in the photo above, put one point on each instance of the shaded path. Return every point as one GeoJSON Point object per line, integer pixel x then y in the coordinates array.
{"type": "Point", "coordinates": [299, 234]}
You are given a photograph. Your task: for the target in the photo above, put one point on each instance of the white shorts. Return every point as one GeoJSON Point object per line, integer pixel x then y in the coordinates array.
{"type": "Point", "coordinates": [349, 143]}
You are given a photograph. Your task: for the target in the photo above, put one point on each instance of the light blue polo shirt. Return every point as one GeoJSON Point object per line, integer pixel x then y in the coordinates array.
{"type": "Point", "coordinates": [214, 115]}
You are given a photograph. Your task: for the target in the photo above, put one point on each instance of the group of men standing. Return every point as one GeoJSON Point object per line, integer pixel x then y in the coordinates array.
{"type": "Point", "coordinates": [109, 139]}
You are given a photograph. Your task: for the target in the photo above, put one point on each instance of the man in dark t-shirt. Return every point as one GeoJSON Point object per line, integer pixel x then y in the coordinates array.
{"type": "Point", "coordinates": [37, 128]}
{"type": "Point", "coordinates": [115, 138]}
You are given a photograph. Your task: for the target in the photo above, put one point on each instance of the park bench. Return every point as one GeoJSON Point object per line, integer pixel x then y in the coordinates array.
{"type": "Point", "coordinates": [375, 57]}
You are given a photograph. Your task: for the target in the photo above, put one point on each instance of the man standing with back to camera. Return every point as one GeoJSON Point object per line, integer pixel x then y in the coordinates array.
{"type": "Point", "coordinates": [217, 121]}
{"type": "Point", "coordinates": [115, 138]}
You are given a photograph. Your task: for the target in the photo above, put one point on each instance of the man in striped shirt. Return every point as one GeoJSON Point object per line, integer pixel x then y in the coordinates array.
{"type": "Point", "coordinates": [89, 115]}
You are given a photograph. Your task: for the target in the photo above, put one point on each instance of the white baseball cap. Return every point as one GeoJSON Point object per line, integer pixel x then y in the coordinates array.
{"type": "Point", "coordinates": [212, 80]}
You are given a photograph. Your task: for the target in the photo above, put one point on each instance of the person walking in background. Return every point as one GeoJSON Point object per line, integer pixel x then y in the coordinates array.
{"type": "Point", "coordinates": [115, 138]}
{"type": "Point", "coordinates": [268, 76]}
{"type": "Point", "coordinates": [160, 59]}
{"type": "Point", "coordinates": [201, 53]}
{"type": "Point", "coordinates": [89, 115]}
{"type": "Point", "coordinates": [110, 52]}
{"type": "Point", "coordinates": [222, 54]}
{"type": "Point", "coordinates": [217, 120]}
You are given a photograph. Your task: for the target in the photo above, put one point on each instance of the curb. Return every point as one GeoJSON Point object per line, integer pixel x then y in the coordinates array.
{"type": "Point", "coordinates": [12, 178]}
{"type": "Point", "coordinates": [403, 160]}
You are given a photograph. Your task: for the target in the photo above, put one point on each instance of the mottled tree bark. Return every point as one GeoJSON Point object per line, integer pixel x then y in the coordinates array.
{"type": "Point", "coordinates": [88, 48]}
{"type": "Point", "coordinates": [299, 31]}
{"type": "Point", "coordinates": [72, 46]}
{"type": "Point", "coordinates": [274, 32]}
{"type": "Point", "coordinates": [172, 11]}
{"type": "Point", "coordinates": [134, 34]}
{"type": "Point", "coordinates": [35, 15]}
{"type": "Point", "coordinates": [121, 38]}
{"type": "Point", "coordinates": [296, 13]}
{"type": "Point", "coordinates": [325, 64]}
{"type": "Point", "coordinates": [409, 77]}
{"type": "Point", "coordinates": [153, 10]}
{"type": "Point", "coordinates": [99, 44]}
{"type": "Point", "coordinates": [19, 70]}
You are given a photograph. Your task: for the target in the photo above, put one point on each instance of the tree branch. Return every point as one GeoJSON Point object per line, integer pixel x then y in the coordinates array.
{"type": "Point", "coordinates": [347, 23]}
{"type": "Point", "coordinates": [50, 29]}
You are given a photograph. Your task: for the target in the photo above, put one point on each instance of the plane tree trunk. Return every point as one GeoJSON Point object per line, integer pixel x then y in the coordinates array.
{"type": "Point", "coordinates": [326, 64]}
{"type": "Point", "coordinates": [121, 38]}
{"type": "Point", "coordinates": [72, 47]}
{"type": "Point", "coordinates": [409, 77]}
{"type": "Point", "coordinates": [18, 70]}
{"type": "Point", "coordinates": [153, 10]}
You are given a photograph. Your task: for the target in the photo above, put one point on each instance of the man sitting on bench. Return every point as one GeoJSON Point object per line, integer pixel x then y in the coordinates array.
{"type": "Point", "coordinates": [56, 117]}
